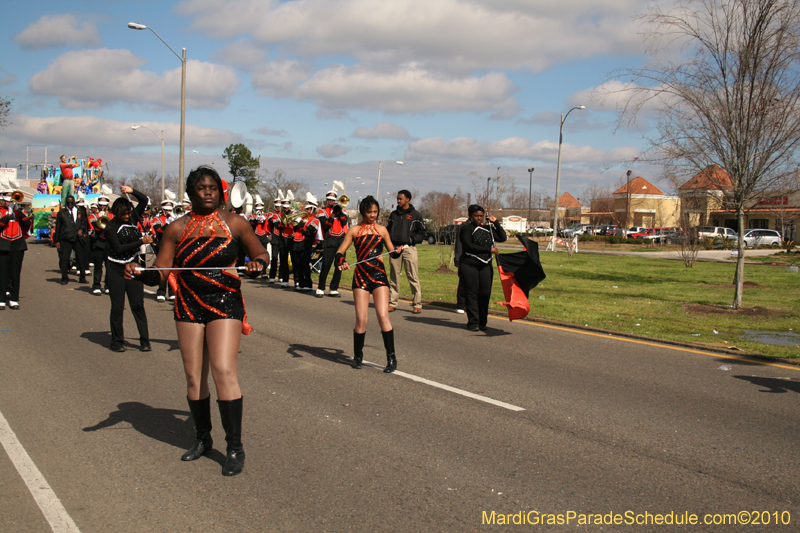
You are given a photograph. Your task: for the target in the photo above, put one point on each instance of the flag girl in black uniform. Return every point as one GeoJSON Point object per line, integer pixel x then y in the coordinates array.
{"type": "Point", "coordinates": [209, 308]}
{"type": "Point", "coordinates": [369, 278]}
{"type": "Point", "coordinates": [475, 269]}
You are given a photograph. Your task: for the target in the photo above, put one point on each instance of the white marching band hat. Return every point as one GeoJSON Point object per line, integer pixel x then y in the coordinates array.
{"type": "Point", "coordinates": [186, 199]}
{"type": "Point", "coordinates": [81, 199]}
{"type": "Point", "coordinates": [287, 199]}
{"type": "Point", "coordinates": [257, 201]}
{"type": "Point", "coordinates": [169, 195]}
{"type": "Point", "coordinates": [311, 201]}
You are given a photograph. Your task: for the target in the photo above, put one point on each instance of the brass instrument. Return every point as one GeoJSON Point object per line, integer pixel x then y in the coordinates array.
{"type": "Point", "coordinates": [343, 201]}
{"type": "Point", "coordinates": [102, 222]}
{"type": "Point", "coordinates": [178, 211]}
{"type": "Point", "coordinates": [17, 197]}
{"type": "Point", "coordinates": [292, 218]}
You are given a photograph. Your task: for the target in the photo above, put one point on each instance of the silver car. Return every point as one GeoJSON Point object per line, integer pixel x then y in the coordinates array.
{"type": "Point", "coordinates": [761, 237]}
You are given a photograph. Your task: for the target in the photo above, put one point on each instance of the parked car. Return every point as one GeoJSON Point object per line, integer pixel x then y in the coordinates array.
{"type": "Point", "coordinates": [542, 229]}
{"type": "Point", "coordinates": [647, 233]}
{"type": "Point", "coordinates": [622, 232]}
{"type": "Point", "coordinates": [576, 229]}
{"type": "Point", "coordinates": [608, 229]}
{"type": "Point", "coordinates": [445, 234]}
{"type": "Point", "coordinates": [761, 237]}
{"type": "Point", "coordinates": [716, 232]}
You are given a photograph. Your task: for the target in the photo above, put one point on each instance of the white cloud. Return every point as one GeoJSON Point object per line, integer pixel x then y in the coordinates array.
{"type": "Point", "coordinates": [279, 79]}
{"type": "Point", "coordinates": [272, 133]}
{"type": "Point", "coordinates": [332, 150]}
{"type": "Point", "coordinates": [243, 54]}
{"type": "Point", "coordinates": [57, 31]}
{"type": "Point", "coordinates": [96, 133]}
{"type": "Point", "coordinates": [458, 35]}
{"type": "Point", "coordinates": [383, 130]}
{"type": "Point", "coordinates": [463, 148]}
{"type": "Point", "coordinates": [96, 78]}
{"type": "Point", "coordinates": [409, 90]}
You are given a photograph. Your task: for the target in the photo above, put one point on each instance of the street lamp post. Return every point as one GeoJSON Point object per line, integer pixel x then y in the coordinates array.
{"type": "Point", "coordinates": [182, 57]}
{"type": "Point", "coordinates": [204, 155]}
{"type": "Point", "coordinates": [380, 164]}
{"type": "Point", "coordinates": [552, 244]}
{"type": "Point", "coordinates": [162, 154]}
{"type": "Point", "coordinates": [530, 186]}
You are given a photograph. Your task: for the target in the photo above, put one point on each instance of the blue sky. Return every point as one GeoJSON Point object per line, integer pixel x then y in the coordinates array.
{"type": "Point", "coordinates": [324, 89]}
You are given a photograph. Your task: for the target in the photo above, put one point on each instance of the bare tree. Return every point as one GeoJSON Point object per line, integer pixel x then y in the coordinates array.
{"type": "Point", "coordinates": [5, 111]}
{"type": "Point", "coordinates": [279, 180]}
{"type": "Point", "coordinates": [149, 183]}
{"type": "Point", "coordinates": [732, 100]}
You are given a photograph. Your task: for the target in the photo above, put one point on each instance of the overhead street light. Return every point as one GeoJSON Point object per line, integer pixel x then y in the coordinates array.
{"type": "Point", "coordinates": [380, 164]}
{"type": "Point", "coordinates": [182, 57]}
{"type": "Point", "coordinates": [204, 155]}
{"type": "Point", "coordinates": [134, 127]}
{"type": "Point", "coordinates": [558, 176]}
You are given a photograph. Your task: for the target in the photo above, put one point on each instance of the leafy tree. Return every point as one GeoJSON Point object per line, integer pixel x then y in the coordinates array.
{"type": "Point", "coordinates": [243, 166]}
{"type": "Point", "coordinates": [730, 100]}
{"type": "Point", "coordinates": [5, 111]}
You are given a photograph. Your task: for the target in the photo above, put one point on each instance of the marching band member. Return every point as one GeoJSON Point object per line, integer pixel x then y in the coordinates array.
{"type": "Point", "coordinates": [210, 315]}
{"type": "Point", "coordinates": [98, 243]}
{"type": "Point", "coordinates": [14, 226]}
{"type": "Point", "coordinates": [286, 241]}
{"type": "Point", "coordinates": [333, 219]}
{"type": "Point", "coordinates": [369, 278]}
{"type": "Point", "coordinates": [124, 242]}
{"type": "Point", "coordinates": [260, 224]}
{"type": "Point", "coordinates": [274, 221]}
{"type": "Point", "coordinates": [159, 224]}
{"type": "Point", "coordinates": [304, 234]}
{"type": "Point", "coordinates": [187, 204]}
{"type": "Point", "coordinates": [83, 241]}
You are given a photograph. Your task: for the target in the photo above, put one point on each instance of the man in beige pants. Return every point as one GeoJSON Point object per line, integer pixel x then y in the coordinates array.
{"type": "Point", "coordinates": [406, 227]}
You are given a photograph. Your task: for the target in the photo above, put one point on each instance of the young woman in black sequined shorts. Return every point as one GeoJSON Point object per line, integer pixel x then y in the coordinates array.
{"type": "Point", "coordinates": [369, 278]}
{"type": "Point", "coordinates": [209, 308]}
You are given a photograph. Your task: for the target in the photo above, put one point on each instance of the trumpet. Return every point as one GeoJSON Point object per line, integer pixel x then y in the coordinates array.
{"type": "Point", "coordinates": [17, 197]}
{"type": "Point", "coordinates": [178, 211]}
{"type": "Point", "coordinates": [343, 201]}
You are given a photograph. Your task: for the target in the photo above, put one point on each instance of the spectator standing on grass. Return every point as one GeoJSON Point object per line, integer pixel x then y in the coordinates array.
{"type": "Point", "coordinates": [406, 228]}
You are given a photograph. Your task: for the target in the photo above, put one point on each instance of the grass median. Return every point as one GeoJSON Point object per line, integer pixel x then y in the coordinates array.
{"type": "Point", "coordinates": [657, 298]}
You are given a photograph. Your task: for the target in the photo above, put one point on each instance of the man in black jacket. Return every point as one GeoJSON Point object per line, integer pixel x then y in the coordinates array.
{"type": "Point", "coordinates": [405, 227]}
{"type": "Point", "coordinates": [71, 225]}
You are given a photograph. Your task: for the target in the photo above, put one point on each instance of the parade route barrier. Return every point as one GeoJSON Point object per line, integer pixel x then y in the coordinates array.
{"type": "Point", "coordinates": [572, 247]}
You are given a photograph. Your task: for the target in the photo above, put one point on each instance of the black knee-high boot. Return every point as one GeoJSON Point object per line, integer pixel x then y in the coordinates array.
{"type": "Point", "coordinates": [388, 343]}
{"type": "Point", "coordinates": [201, 414]}
{"type": "Point", "coordinates": [231, 414]}
{"type": "Point", "coordinates": [358, 349]}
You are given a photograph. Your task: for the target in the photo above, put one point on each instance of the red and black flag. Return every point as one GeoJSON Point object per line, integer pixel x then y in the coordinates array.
{"type": "Point", "coordinates": [519, 273]}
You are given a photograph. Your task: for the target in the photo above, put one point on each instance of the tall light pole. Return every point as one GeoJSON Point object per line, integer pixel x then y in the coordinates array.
{"type": "Point", "coordinates": [378, 190]}
{"type": "Point", "coordinates": [558, 173]}
{"type": "Point", "coordinates": [162, 154]}
{"type": "Point", "coordinates": [530, 186]}
{"type": "Point", "coordinates": [204, 155]}
{"type": "Point", "coordinates": [181, 177]}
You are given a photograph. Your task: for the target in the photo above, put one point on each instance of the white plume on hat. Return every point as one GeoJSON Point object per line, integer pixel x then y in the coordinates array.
{"type": "Point", "coordinates": [338, 185]}
{"type": "Point", "coordinates": [13, 183]}
{"type": "Point", "coordinates": [311, 201]}
{"type": "Point", "coordinates": [106, 189]}
{"type": "Point", "coordinates": [81, 198]}
{"type": "Point", "coordinates": [280, 195]}
{"type": "Point", "coordinates": [169, 195]}
{"type": "Point", "coordinates": [257, 201]}
{"type": "Point", "coordinates": [186, 199]}
{"type": "Point", "coordinates": [289, 195]}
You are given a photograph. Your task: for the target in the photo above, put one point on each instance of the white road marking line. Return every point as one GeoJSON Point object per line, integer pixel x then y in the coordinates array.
{"type": "Point", "coordinates": [54, 512]}
{"type": "Point", "coordinates": [442, 386]}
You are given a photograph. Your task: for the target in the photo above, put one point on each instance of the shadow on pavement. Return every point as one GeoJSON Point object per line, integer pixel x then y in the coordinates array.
{"type": "Point", "coordinates": [103, 338]}
{"type": "Point", "coordinates": [333, 355]}
{"type": "Point", "coordinates": [160, 424]}
{"type": "Point", "coordinates": [773, 385]}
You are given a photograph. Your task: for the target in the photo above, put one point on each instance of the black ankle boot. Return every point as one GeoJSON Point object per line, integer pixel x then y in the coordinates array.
{"type": "Point", "coordinates": [388, 343]}
{"type": "Point", "coordinates": [201, 415]}
{"type": "Point", "coordinates": [231, 414]}
{"type": "Point", "coordinates": [358, 349]}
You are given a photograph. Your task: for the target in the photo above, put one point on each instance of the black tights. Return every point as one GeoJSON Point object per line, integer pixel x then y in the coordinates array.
{"type": "Point", "coordinates": [475, 278]}
{"type": "Point", "coordinates": [118, 287]}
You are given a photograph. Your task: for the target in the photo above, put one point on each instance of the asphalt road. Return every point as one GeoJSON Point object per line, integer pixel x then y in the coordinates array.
{"type": "Point", "coordinates": [606, 425]}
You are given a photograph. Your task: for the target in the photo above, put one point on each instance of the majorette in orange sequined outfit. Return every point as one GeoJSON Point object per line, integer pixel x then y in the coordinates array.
{"type": "Point", "coordinates": [369, 245]}
{"type": "Point", "coordinates": [206, 295]}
